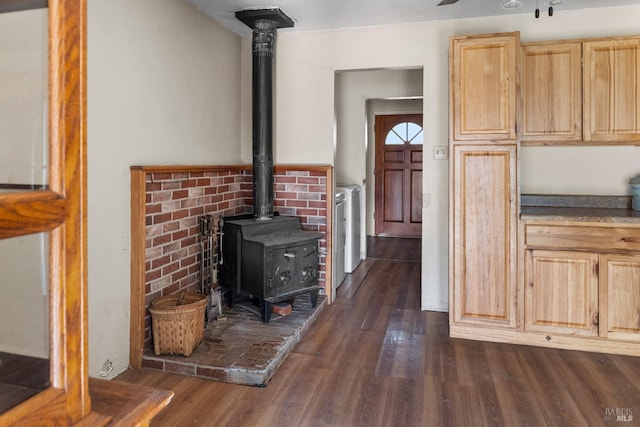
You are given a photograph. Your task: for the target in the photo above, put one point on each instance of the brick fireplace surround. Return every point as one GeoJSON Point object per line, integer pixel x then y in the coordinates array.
{"type": "Point", "coordinates": [166, 204]}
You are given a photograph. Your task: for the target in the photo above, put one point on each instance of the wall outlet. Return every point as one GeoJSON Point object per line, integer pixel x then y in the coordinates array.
{"type": "Point", "coordinates": [107, 367]}
{"type": "Point", "coordinates": [440, 152]}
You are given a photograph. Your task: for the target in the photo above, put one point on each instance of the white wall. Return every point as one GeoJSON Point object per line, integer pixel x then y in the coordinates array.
{"type": "Point", "coordinates": [579, 170]}
{"type": "Point", "coordinates": [24, 304]}
{"type": "Point", "coordinates": [163, 88]}
{"type": "Point", "coordinates": [23, 99]}
{"type": "Point", "coordinates": [353, 89]}
{"type": "Point", "coordinates": [305, 127]}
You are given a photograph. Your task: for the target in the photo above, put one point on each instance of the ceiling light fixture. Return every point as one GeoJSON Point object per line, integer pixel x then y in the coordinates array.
{"type": "Point", "coordinates": [511, 4]}
{"type": "Point", "coordinates": [550, 4]}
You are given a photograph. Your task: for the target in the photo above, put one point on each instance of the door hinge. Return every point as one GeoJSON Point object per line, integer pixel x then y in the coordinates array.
{"type": "Point", "coordinates": [597, 269]}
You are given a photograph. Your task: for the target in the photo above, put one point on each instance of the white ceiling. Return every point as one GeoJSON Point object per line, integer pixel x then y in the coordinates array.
{"type": "Point", "coordinates": [325, 14]}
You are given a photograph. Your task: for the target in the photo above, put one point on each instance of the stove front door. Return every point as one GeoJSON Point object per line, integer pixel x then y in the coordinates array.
{"type": "Point", "coordinates": [292, 270]}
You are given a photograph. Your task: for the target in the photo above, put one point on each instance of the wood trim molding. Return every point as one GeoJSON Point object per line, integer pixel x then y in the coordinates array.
{"type": "Point", "coordinates": [138, 238]}
{"type": "Point", "coordinates": [67, 92]}
{"type": "Point", "coordinates": [212, 168]}
{"type": "Point", "coordinates": [125, 404]}
{"type": "Point", "coordinates": [186, 168]}
{"type": "Point", "coordinates": [565, 342]}
{"type": "Point", "coordinates": [328, 276]}
{"type": "Point", "coordinates": [31, 212]}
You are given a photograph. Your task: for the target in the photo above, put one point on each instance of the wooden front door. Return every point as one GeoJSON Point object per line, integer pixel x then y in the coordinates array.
{"type": "Point", "coordinates": [399, 175]}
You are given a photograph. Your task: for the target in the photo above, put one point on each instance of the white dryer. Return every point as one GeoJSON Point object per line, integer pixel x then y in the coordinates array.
{"type": "Point", "coordinates": [339, 238]}
{"type": "Point", "coordinates": [353, 197]}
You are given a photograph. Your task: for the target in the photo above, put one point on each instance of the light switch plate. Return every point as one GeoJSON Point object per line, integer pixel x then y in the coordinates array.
{"type": "Point", "coordinates": [440, 152]}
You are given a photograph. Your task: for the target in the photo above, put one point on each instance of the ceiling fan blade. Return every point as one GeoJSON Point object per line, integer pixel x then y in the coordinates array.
{"type": "Point", "coordinates": [446, 2]}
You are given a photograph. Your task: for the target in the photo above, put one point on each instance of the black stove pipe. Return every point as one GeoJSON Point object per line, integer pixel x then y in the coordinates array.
{"type": "Point", "coordinates": [264, 32]}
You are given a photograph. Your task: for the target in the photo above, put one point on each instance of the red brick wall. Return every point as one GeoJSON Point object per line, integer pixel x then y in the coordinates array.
{"type": "Point", "coordinates": [175, 202]}
{"type": "Point", "coordinates": [304, 194]}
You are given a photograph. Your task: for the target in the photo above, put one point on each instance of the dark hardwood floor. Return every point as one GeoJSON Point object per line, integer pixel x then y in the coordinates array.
{"type": "Point", "coordinates": [394, 248]}
{"type": "Point", "coordinates": [375, 359]}
{"type": "Point", "coordinates": [20, 378]}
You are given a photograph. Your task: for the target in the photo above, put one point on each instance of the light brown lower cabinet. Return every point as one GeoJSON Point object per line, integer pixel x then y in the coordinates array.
{"type": "Point", "coordinates": [578, 288]}
{"type": "Point", "coordinates": [561, 292]}
{"type": "Point", "coordinates": [620, 297]}
{"type": "Point", "coordinates": [590, 291]}
{"type": "Point", "coordinates": [582, 293]}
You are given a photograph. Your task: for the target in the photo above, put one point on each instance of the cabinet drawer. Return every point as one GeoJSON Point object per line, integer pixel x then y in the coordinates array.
{"type": "Point", "coordinates": [582, 237]}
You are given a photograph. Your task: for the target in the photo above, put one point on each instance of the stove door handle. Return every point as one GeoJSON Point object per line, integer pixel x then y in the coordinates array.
{"type": "Point", "coordinates": [289, 255]}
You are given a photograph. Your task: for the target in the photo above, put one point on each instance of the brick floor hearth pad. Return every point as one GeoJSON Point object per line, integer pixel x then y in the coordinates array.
{"type": "Point", "coordinates": [238, 348]}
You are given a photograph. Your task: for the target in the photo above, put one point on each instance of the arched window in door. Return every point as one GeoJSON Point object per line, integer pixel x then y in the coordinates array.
{"type": "Point", "coordinates": [403, 133]}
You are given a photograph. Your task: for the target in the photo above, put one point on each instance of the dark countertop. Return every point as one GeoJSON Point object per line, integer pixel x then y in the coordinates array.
{"type": "Point", "coordinates": [605, 209]}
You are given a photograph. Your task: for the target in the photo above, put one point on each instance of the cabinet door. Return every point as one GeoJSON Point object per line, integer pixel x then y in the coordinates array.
{"type": "Point", "coordinates": [561, 292]}
{"type": "Point", "coordinates": [483, 87]}
{"type": "Point", "coordinates": [612, 90]}
{"type": "Point", "coordinates": [484, 206]}
{"type": "Point", "coordinates": [620, 297]}
{"type": "Point", "coordinates": [551, 92]}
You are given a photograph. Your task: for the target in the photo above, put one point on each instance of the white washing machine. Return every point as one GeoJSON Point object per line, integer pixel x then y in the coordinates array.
{"type": "Point", "coordinates": [352, 213]}
{"type": "Point", "coordinates": [339, 237]}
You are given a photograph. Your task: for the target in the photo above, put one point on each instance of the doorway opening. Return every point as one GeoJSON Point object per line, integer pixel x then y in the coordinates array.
{"type": "Point", "coordinates": [360, 95]}
{"type": "Point", "coordinates": [398, 175]}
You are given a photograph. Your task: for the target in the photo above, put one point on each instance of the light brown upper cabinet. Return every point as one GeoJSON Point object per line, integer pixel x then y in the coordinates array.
{"type": "Point", "coordinates": [612, 90]}
{"type": "Point", "coordinates": [551, 92]}
{"type": "Point", "coordinates": [483, 87]}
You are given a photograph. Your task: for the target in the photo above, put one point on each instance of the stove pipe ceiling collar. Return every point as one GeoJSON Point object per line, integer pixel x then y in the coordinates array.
{"type": "Point", "coordinates": [264, 23]}
{"type": "Point", "coordinates": [250, 16]}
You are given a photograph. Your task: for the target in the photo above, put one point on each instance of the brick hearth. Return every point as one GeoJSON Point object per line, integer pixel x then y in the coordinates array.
{"type": "Point", "coordinates": [239, 348]}
{"type": "Point", "coordinates": [175, 199]}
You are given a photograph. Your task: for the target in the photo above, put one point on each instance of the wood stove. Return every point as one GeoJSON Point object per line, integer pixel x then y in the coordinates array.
{"type": "Point", "coordinates": [272, 261]}
{"type": "Point", "coordinates": [266, 256]}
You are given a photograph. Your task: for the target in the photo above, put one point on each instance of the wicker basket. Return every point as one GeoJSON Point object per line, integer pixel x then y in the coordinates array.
{"type": "Point", "coordinates": [177, 322]}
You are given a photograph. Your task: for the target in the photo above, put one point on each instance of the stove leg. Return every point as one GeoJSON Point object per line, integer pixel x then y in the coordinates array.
{"type": "Point", "coordinates": [230, 297]}
{"type": "Point", "coordinates": [266, 311]}
{"type": "Point", "coordinates": [313, 296]}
